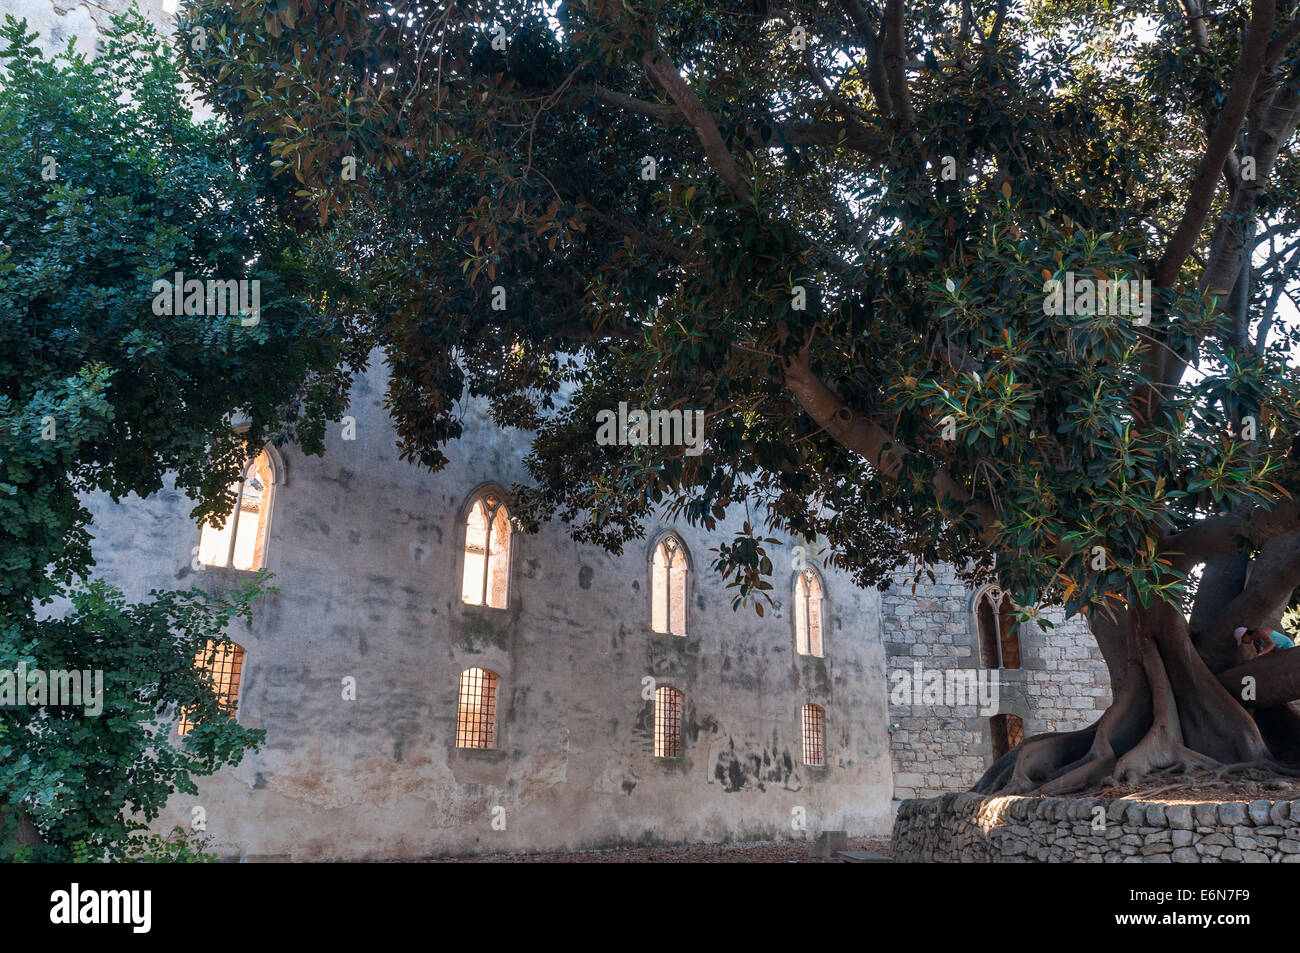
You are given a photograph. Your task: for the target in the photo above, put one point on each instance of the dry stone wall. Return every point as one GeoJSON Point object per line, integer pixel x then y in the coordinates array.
{"type": "Point", "coordinates": [973, 828]}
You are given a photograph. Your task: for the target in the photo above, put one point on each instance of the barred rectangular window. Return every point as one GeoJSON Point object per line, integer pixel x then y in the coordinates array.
{"type": "Point", "coordinates": [1008, 731]}
{"type": "Point", "coordinates": [477, 712]}
{"type": "Point", "coordinates": [225, 661]}
{"type": "Point", "coordinates": [814, 735]}
{"type": "Point", "coordinates": [668, 722]}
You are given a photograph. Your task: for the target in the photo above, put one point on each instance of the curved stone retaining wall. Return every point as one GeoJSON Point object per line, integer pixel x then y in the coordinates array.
{"type": "Point", "coordinates": [974, 828]}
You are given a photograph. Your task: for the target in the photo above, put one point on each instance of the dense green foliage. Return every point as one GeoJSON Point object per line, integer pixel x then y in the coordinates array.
{"type": "Point", "coordinates": [501, 144]}
{"type": "Point", "coordinates": [109, 185]}
{"type": "Point", "coordinates": [140, 192]}
{"type": "Point", "coordinates": [73, 772]}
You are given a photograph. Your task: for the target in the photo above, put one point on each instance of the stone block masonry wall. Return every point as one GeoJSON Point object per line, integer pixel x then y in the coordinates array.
{"type": "Point", "coordinates": [1061, 685]}
{"type": "Point", "coordinates": [973, 828]}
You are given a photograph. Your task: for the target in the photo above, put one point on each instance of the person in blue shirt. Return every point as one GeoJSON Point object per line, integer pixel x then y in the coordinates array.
{"type": "Point", "coordinates": [1263, 644]}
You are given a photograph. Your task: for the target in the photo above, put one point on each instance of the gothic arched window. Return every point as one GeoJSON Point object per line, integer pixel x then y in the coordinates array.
{"type": "Point", "coordinates": [996, 626]}
{"type": "Point", "coordinates": [487, 552]}
{"type": "Point", "coordinates": [669, 568]}
{"type": "Point", "coordinates": [808, 613]}
{"type": "Point", "coordinates": [241, 542]}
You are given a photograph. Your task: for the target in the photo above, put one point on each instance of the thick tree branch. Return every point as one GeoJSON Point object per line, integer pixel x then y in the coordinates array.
{"type": "Point", "coordinates": [1219, 145]}
{"type": "Point", "coordinates": [1274, 125]}
{"type": "Point", "coordinates": [659, 66]}
{"type": "Point", "coordinates": [869, 439]}
{"type": "Point", "coordinates": [1273, 577]}
{"type": "Point", "coordinates": [999, 19]}
{"type": "Point", "coordinates": [1287, 273]}
{"type": "Point", "coordinates": [1195, 13]}
{"type": "Point", "coordinates": [1226, 532]}
{"type": "Point", "coordinates": [637, 236]}
{"type": "Point", "coordinates": [893, 52]}
{"type": "Point", "coordinates": [660, 112]}
{"type": "Point", "coordinates": [817, 132]}
{"type": "Point", "coordinates": [1277, 48]}
{"type": "Point", "coordinates": [825, 132]}
{"type": "Point", "coordinates": [1222, 578]}
{"type": "Point", "coordinates": [875, 64]}
{"type": "Point", "coordinates": [1275, 679]}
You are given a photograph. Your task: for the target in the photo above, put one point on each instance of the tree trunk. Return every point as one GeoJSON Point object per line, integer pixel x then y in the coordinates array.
{"type": "Point", "coordinates": [1170, 712]}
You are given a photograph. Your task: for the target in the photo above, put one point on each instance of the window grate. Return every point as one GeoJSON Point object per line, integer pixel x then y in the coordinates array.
{"type": "Point", "coordinates": [477, 714]}
{"type": "Point", "coordinates": [1007, 731]}
{"type": "Point", "coordinates": [226, 662]}
{"type": "Point", "coordinates": [814, 735]}
{"type": "Point", "coordinates": [668, 722]}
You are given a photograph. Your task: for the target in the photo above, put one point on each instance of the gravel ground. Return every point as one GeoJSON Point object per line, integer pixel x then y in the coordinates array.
{"type": "Point", "coordinates": [763, 852]}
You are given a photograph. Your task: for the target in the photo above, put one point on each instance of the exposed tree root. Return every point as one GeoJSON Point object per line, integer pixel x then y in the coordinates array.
{"type": "Point", "coordinates": [1170, 718]}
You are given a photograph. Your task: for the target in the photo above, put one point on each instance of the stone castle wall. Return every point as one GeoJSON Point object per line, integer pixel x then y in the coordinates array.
{"type": "Point", "coordinates": [972, 828]}
{"type": "Point", "coordinates": [1062, 683]}
{"type": "Point", "coordinates": [367, 553]}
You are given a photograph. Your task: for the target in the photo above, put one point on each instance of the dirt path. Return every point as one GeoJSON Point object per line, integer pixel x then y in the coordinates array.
{"type": "Point", "coordinates": [764, 852]}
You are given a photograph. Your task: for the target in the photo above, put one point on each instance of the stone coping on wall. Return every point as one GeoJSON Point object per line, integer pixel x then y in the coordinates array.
{"type": "Point", "coordinates": [977, 828]}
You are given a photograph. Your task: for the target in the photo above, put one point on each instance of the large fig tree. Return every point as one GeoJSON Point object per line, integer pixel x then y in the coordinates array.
{"type": "Point", "coordinates": [839, 228]}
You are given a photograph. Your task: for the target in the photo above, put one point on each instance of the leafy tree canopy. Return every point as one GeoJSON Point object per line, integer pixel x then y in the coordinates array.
{"type": "Point", "coordinates": [833, 226]}
{"type": "Point", "coordinates": [110, 185]}
{"type": "Point", "coordinates": [804, 146]}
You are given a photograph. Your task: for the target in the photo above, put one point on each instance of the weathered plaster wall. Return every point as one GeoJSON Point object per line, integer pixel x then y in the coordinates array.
{"type": "Point", "coordinates": [367, 554]}
{"type": "Point", "coordinates": [57, 21]}
{"type": "Point", "coordinates": [972, 828]}
{"type": "Point", "coordinates": [1061, 685]}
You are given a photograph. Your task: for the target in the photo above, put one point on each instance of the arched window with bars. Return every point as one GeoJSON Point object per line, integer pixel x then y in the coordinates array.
{"type": "Point", "coordinates": [808, 612]}
{"type": "Point", "coordinates": [487, 552]}
{"type": "Point", "coordinates": [241, 542]}
{"type": "Point", "coordinates": [670, 568]}
{"type": "Point", "coordinates": [996, 628]}
{"type": "Point", "coordinates": [668, 722]}
{"type": "Point", "coordinates": [476, 711]}
{"type": "Point", "coordinates": [224, 662]}
{"type": "Point", "coordinates": [814, 735]}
